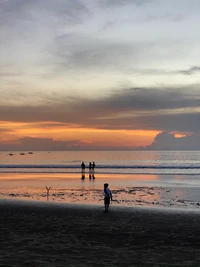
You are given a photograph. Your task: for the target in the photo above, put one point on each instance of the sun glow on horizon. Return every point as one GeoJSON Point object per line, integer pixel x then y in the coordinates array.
{"type": "Point", "coordinates": [14, 131]}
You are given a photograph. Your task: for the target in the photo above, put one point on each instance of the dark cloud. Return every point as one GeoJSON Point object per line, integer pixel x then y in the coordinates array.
{"type": "Point", "coordinates": [148, 99]}
{"type": "Point", "coordinates": [168, 141]}
{"type": "Point", "coordinates": [48, 144]}
{"type": "Point", "coordinates": [135, 108]}
{"type": "Point", "coordinates": [159, 122]}
{"type": "Point", "coordinates": [38, 144]}
{"type": "Point", "coordinates": [191, 71]}
{"type": "Point", "coordinates": [187, 122]}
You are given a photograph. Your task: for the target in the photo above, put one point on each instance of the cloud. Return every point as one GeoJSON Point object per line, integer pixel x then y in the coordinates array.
{"type": "Point", "coordinates": [28, 30]}
{"type": "Point", "coordinates": [48, 144]}
{"type": "Point", "coordinates": [70, 11]}
{"type": "Point", "coordinates": [64, 40]}
{"type": "Point", "coordinates": [10, 73]}
{"type": "Point", "coordinates": [133, 108]}
{"type": "Point", "coordinates": [93, 53]}
{"type": "Point", "coordinates": [40, 144]}
{"type": "Point", "coordinates": [191, 71]}
{"type": "Point", "coordinates": [168, 141]}
{"type": "Point", "coordinates": [148, 99]}
{"type": "Point", "coordinates": [120, 3]}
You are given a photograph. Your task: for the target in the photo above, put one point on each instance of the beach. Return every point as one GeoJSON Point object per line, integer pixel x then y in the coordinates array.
{"type": "Point", "coordinates": [38, 234]}
{"type": "Point", "coordinates": [153, 219]}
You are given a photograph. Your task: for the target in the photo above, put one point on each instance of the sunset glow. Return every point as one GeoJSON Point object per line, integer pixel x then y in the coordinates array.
{"type": "Point", "coordinates": [99, 74]}
{"type": "Point", "coordinates": [87, 136]}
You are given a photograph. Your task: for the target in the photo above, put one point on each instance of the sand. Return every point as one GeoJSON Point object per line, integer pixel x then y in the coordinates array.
{"type": "Point", "coordinates": [50, 234]}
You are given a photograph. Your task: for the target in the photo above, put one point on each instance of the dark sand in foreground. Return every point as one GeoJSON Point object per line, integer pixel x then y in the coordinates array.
{"type": "Point", "coordinates": [33, 234]}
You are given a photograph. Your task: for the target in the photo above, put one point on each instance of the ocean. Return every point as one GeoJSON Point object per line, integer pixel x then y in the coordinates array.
{"type": "Point", "coordinates": [145, 178]}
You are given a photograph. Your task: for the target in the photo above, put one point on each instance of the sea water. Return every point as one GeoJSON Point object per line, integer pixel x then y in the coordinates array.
{"type": "Point", "coordinates": [158, 178]}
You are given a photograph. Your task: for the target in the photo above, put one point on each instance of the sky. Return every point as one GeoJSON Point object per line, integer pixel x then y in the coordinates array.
{"type": "Point", "coordinates": [99, 74]}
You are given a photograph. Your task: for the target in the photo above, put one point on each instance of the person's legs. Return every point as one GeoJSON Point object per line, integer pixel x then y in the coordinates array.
{"type": "Point", "coordinates": [107, 202]}
{"type": "Point", "coordinates": [106, 207]}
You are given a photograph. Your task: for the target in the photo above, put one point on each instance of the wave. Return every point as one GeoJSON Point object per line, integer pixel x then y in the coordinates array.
{"type": "Point", "coordinates": [62, 166]}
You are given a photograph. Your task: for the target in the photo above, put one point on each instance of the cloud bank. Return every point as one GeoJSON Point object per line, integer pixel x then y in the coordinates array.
{"type": "Point", "coordinates": [162, 109]}
{"type": "Point", "coordinates": [40, 144]}
{"type": "Point", "coordinates": [168, 141]}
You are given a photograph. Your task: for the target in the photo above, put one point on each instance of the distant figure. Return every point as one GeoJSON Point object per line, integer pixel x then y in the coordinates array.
{"type": "Point", "coordinates": [93, 165]}
{"type": "Point", "coordinates": [83, 166]}
{"type": "Point", "coordinates": [93, 177]}
{"type": "Point", "coordinates": [83, 176]}
{"type": "Point", "coordinates": [107, 197]}
{"type": "Point", "coordinates": [48, 189]}
{"type": "Point", "coordinates": [90, 166]}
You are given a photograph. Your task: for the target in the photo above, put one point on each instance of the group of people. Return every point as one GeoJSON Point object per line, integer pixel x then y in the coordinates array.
{"type": "Point", "coordinates": [91, 166]}
{"type": "Point", "coordinates": [91, 170]}
{"type": "Point", "coordinates": [107, 192]}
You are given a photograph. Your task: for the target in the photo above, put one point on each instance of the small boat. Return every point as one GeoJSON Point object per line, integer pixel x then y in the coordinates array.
{"type": "Point", "coordinates": [22, 154]}
{"type": "Point", "coordinates": [30, 152]}
{"type": "Point", "coordinates": [10, 154]}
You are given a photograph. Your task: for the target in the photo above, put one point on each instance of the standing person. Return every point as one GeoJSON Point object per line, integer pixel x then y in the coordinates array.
{"type": "Point", "coordinates": [107, 197]}
{"type": "Point", "coordinates": [90, 167]}
{"type": "Point", "coordinates": [93, 165]}
{"type": "Point", "coordinates": [83, 167]}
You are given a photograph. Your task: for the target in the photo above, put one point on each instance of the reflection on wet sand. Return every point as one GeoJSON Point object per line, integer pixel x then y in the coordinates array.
{"type": "Point", "coordinates": [48, 189]}
{"type": "Point", "coordinates": [127, 190]}
{"type": "Point", "coordinates": [89, 192]}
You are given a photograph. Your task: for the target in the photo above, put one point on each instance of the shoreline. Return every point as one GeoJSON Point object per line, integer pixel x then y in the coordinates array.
{"type": "Point", "coordinates": [94, 206]}
{"type": "Point", "coordinates": [143, 196]}
{"type": "Point", "coordinates": [128, 190]}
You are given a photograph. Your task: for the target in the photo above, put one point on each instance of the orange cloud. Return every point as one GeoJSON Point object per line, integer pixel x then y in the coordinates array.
{"type": "Point", "coordinates": [88, 137]}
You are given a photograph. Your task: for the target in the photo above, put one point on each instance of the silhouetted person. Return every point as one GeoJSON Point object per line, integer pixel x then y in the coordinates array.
{"type": "Point", "coordinates": [107, 197]}
{"type": "Point", "coordinates": [90, 176]}
{"type": "Point", "coordinates": [83, 176]}
{"type": "Point", "coordinates": [90, 166]}
{"type": "Point", "coordinates": [83, 166]}
{"type": "Point", "coordinates": [93, 177]}
{"type": "Point", "coordinates": [93, 165]}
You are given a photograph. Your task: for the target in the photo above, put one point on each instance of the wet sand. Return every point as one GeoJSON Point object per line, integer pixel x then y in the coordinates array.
{"type": "Point", "coordinates": [128, 190]}
{"type": "Point", "coordinates": [57, 234]}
